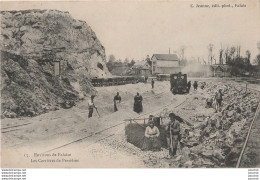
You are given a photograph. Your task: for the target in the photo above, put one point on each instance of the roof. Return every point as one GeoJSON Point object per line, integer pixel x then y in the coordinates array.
{"type": "Point", "coordinates": [166, 57]}
{"type": "Point", "coordinates": [141, 65]}
{"type": "Point", "coordinates": [224, 67]}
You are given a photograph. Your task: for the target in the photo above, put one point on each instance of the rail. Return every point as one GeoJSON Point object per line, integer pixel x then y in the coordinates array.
{"type": "Point", "coordinates": [98, 132]}
{"type": "Point", "coordinates": [247, 137]}
{"type": "Point", "coordinates": [9, 127]}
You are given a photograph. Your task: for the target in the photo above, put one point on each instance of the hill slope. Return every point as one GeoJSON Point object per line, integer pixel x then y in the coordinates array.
{"type": "Point", "coordinates": [32, 42]}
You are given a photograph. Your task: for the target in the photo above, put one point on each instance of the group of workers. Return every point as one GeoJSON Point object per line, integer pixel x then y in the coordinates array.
{"type": "Point", "coordinates": [138, 106]}
{"type": "Point", "coordinates": [195, 85]}
{"type": "Point", "coordinates": [152, 133]}
{"type": "Point", "coordinates": [215, 100]}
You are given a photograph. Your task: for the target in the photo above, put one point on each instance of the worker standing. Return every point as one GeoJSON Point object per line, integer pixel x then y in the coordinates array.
{"type": "Point", "coordinates": [195, 85]}
{"type": "Point", "coordinates": [188, 86]}
{"type": "Point", "coordinates": [218, 98]}
{"type": "Point", "coordinates": [152, 82]}
{"type": "Point", "coordinates": [91, 106]}
{"type": "Point", "coordinates": [145, 79]}
{"type": "Point", "coordinates": [173, 134]}
{"type": "Point", "coordinates": [117, 99]}
{"type": "Point", "coordinates": [138, 106]}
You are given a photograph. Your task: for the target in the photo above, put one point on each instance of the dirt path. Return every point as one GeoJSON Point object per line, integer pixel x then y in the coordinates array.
{"type": "Point", "coordinates": [56, 128]}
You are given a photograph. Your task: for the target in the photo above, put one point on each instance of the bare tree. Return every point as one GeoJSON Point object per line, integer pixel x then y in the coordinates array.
{"type": "Point", "coordinates": [248, 55]}
{"type": "Point", "coordinates": [210, 49]}
{"type": "Point", "coordinates": [148, 60]}
{"type": "Point", "coordinates": [226, 53]}
{"type": "Point", "coordinates": [182, 50]}
{"type": "Point", "coordinates": [238, 51]}
{"type": "Point", "coordinates": [221, 56]}
{"type": "Point", "coordinates": [213, 57]}
{"type": "Point", "coordinates": [232, 52]}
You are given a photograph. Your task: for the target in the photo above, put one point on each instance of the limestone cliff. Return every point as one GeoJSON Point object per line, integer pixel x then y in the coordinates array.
{"type": "Point", "coordinates": [32, 42]}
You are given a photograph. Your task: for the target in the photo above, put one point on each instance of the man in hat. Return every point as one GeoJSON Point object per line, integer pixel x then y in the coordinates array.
{"type": "Point", "coordinates": [117, 99]}
{"type": "Point", "coordinates": [152, 82]}
{"type": "Point", "coordinates": [91, 106]}
{"type": "Point", "coordinates": [188, 86]}
{"type": "Point", "coordinates": [173, 134]}
{"type": "Point", "coordinates": [138, 106]}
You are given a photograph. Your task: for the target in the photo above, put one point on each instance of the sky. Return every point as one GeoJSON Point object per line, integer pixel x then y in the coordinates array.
{"type": "Point", "coordinates": [137, 29]}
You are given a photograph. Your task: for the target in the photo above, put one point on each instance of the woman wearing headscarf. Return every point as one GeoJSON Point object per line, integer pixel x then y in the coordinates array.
{"type": "Point", "coordinates": [151, 140]}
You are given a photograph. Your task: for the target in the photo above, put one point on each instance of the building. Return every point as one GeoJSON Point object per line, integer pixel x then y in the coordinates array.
{"type": "Point", "coordinates": [140, 68]}
{"type": "Point", "coordinates": [165, 64]}
{"type": "Point", "coordinates": [220, 70]}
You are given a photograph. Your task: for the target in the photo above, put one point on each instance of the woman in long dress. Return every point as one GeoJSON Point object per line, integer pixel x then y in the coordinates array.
{"type": "Point", "coordinates": [138, 107]}
{"type": "Point", "coordinates": [151, 140]}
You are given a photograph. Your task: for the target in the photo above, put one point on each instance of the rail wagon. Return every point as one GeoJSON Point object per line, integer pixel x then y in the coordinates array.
{"type": "Point", "coordinates": [163, 77]}
{"type": "Point", "coordinates": [96, 82]}
{"type": "Point", "coordinates": [113, 81]}
{"type": "Point", "coordinates": [178, 83]}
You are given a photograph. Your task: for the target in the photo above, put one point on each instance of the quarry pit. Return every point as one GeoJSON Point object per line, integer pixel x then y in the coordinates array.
{"type": "Point", "coordinates": [204, 146]}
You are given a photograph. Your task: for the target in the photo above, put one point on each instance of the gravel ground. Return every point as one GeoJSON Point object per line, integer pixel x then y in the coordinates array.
{"type": "Point", "coordinates": [204, 146]}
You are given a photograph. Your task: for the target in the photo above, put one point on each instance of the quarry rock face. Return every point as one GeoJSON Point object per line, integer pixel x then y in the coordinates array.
{"type": "Point", "coordinates": [46, 57]}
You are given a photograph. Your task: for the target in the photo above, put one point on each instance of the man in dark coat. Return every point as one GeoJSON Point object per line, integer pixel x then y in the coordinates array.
{"type": "Point", "coordinates": [117, 99]}
{"type": "Point", "coordinates": [173, 134]}
{"type": "Point", "coordinates": [188, 86]}
{"type": "Point", "coordinates": [152, 82]}
{"type": "Point", "coordinates": [91, 106]}
{"type": "Point", "coordinates": [138, 106]}
{"type": "Point", "coordinates": [195, 85]}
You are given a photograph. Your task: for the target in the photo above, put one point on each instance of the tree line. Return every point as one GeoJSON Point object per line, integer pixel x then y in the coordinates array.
{"type": "Point", "coordinates": [113, 62]}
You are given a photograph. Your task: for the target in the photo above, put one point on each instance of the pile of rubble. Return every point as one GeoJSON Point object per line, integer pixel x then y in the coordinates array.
{"type": "Point", "coordinates": [209, 139]}
{"type": "Point", "coordinates": [216, 141]}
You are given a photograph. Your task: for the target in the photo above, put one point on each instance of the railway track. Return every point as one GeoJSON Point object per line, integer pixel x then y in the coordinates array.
{"type": "Point", "coordinates": [145, 97]}
{"type": "Point", "coordinates": [153, 112]}
{"type": "Point", "coordinates": [110, 127]}
{"type": "Point", "coordinates": [247, 137]}
{"type": "Point", "coordinates": [3, 130]}
{"type": "Point", "coordinates": [251, 124]}
{"type": "Point", "coordinates": [105, 136]}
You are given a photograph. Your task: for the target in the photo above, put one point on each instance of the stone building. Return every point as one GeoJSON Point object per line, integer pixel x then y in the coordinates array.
{"type": "Point", "coordinates": [141, 68]}
{"type": "Point", "coordinates": [165, 64]}
{"type": "Point", "coordinates": [220, 70]}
